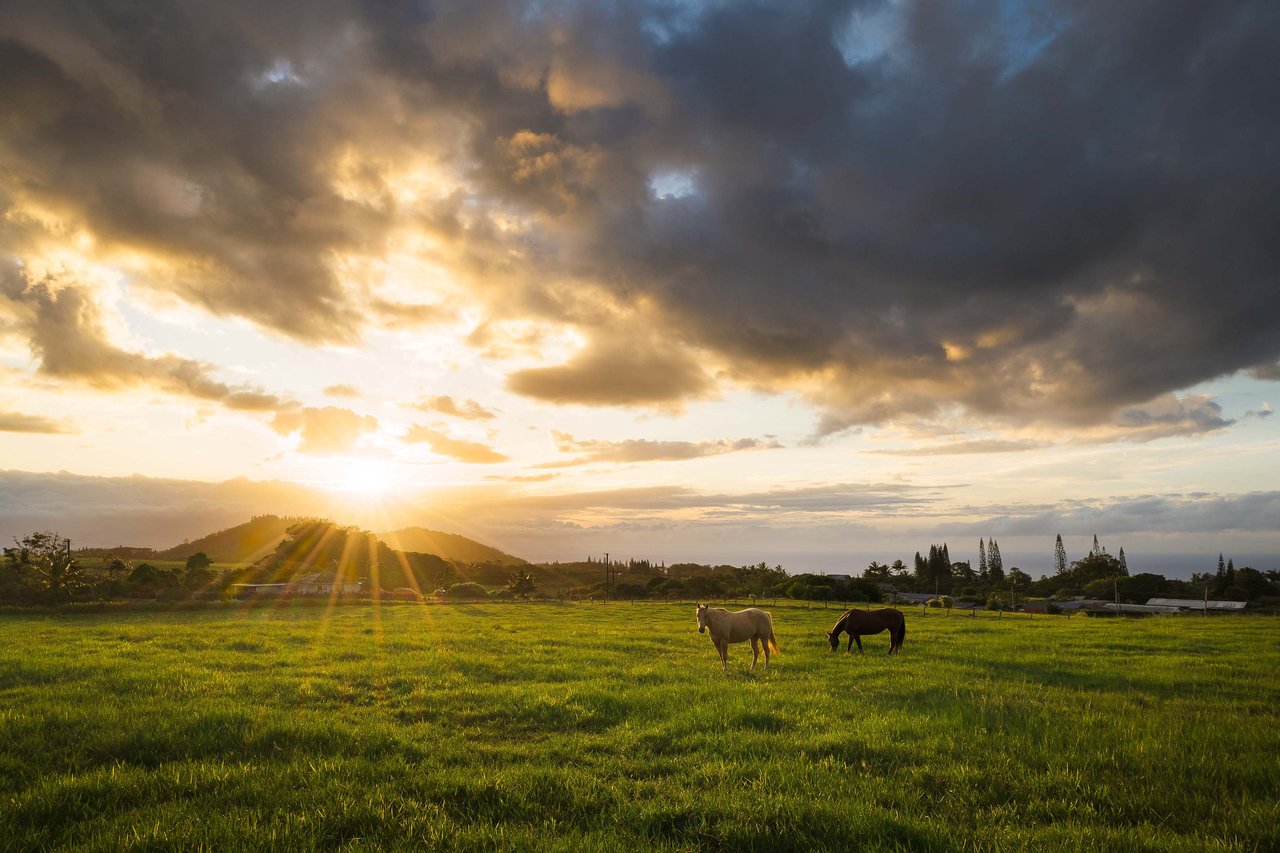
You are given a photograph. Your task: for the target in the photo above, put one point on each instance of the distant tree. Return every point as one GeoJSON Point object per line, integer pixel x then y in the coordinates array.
{"type": "Point", "coordinates": [998, 601]}
{"type": "Point", "coordinates": [1124, 565]}
{"type": "Point", "coordinates": [899, 569]}
{"type": "Point", "coordinates": [1097, 549]}
{"type": "Point", "coordinates": [995, 563]}
{"type": "Point", "coordinates": [1093, 567]}
{"type": "Point", "coordinates": [1060, 557]}
{"type": "Point", "coordinates": [198, 579]}
{"type": "Point", "coordinates": [876, 571]}
{"type": "Point", "coordinates": [199, 560]}
{"type": "Point", "coordinates": [982, 561]}
{"type": "Point", "coordinates": [42, 563]}
{"type": "Point", "coordinates": [521, 583]}
{"type": "Point", "coordinates": [1220, 579]}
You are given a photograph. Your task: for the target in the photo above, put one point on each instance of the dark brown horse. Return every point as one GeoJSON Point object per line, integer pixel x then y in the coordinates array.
{"type": "Point", "coordinates": [864, 622]}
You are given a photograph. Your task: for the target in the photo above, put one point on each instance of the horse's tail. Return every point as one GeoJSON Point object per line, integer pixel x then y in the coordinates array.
{"type": "Point", "coordinates": [902, 633]}
{"type": "Point", "coordinates": [773, 641]}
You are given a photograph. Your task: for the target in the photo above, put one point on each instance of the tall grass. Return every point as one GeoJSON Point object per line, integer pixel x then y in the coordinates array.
{"type": "Point", "coordinates": [596, 727]}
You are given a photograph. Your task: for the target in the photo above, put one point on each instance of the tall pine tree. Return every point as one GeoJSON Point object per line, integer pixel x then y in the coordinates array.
{"type": "Point", "coordinates": [1060, 557]}
{"type": "Point", "coordinates": [1124, 565]}
{"type": "Point", "coordinates": [995, 562]}
{"type": "Point", "coordinates": [982, 561]}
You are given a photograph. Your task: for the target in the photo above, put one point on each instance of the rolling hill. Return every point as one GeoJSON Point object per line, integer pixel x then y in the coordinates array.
{"type": "Point", "coordinates": [243, 543]}
{"type": "Point", "coordinates": [451, 546]}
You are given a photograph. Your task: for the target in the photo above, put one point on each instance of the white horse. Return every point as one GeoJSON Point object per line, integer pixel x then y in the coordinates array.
{"type": "Point", "coordinates": [750, 624]}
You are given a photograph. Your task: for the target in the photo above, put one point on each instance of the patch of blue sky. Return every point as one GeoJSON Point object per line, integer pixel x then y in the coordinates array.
{"type": "Point", "coordinates": [871, 32]}
{"type": "Point", "coordinates": [673, 183]}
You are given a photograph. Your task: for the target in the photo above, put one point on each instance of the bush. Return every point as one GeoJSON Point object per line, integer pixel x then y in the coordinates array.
{"type": "Point", "coordinates": [467, 592]}
{"type": "Point", "coordinates": [933, 602]}
{"type": "Point", "coordinates": [997, 601]}
{"type": "Point", "coordinates": [947, 601]}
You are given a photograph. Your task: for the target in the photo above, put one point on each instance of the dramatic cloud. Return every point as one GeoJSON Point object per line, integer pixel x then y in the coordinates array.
{"type": "Point", "coordinates": [1170, 415]}
{"type": "Point", "coordinates": [326, 430]}
{"type": "Point", "coordinates": [18, 422]}
{"type": "Point", "coordinates": [1269, 372]}
{"type": "Point", "coordinates": [643, 450]}
{"type": "Point", "coordinates": [66, 334]}
{"type": "Point", "coordinates": [460, 449]}
{"type": "Point", "coordinates": [1035, 213]}
{"type": "Point", "coordinates": [467, 410]}
{"type": "Point", "coordinates": [619, 375]}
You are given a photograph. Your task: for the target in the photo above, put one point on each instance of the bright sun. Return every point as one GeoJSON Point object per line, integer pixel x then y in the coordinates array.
{"type": "Point", "coordinates": [367, 478]}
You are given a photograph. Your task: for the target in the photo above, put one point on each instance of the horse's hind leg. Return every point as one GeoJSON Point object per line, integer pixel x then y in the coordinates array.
{"type": "Point", "coordinates": [755, 653]}
{"type": "Point", "coordinates": [858, 639]}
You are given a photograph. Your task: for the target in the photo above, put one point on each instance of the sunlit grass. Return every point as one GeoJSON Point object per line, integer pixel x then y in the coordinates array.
{"type": "Point", "coordinates": [587, 727]}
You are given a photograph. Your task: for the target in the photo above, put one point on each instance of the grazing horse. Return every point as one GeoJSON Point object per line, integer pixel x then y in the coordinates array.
{"type": "Point", "coordinates": [750, 624]}
{"type": "Point", "coordinates": [860, 622]}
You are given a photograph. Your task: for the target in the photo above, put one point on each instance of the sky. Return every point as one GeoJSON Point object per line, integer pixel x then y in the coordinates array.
{"type": "Point", "coordinates": [809, 283]}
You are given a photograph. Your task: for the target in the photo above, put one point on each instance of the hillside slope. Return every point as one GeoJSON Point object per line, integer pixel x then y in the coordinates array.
{"type": "Point", "coordinates": [450, 546]}
{"type": "Point", "coordinates": [243, 543]}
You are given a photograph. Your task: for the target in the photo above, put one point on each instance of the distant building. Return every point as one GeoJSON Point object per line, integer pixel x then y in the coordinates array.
{"type": "Point", "coordinates": [251, 590]}
{"type": "Point", "coordinates": [1193, 604]}
{"type": "Point", "coordinates": [1112, 607]}
{"type": "Point", "coordinates": [323, 583]}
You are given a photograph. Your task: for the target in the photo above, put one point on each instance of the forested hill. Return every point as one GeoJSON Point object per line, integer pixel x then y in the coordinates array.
{"type": "Point", "coordinates": [447, 545]}
{"type": "Point", "coordinates": [349, 554]}
{"type": "Point", "coordinates": [243, 543]}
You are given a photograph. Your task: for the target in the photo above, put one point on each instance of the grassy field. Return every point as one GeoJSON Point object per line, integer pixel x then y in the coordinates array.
{"type": "Point", "coordinates": [612, 727]}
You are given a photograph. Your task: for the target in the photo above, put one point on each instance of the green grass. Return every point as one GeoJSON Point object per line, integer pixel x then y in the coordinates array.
{"type": "Point", "coordinates": [592, 727]}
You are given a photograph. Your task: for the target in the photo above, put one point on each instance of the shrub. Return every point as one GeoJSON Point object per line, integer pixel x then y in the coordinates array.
{"type": "Point", "coordinates": [997, 601]}
{"type": "Point", "coordinates": [467, 592]}
{"type": "Point", "coordinates": [933, 602]}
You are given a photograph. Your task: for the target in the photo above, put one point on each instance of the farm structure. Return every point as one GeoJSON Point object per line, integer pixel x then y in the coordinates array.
{"type": "Point", "coordinates": [316, 583]}
{"type": "Point", "coordinates": [1194, 604]}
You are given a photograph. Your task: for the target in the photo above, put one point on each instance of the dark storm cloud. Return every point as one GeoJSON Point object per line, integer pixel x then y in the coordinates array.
{"type": "Point", "coordinates": [1040, 212]}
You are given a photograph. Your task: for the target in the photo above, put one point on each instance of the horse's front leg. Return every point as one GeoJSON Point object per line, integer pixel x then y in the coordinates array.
{"type": "Point", "coordinates": [755, 653]}
{"type": "Point", "coordinates": [723, 648]}
{"type": "Point", "coordinates": [858, 639]}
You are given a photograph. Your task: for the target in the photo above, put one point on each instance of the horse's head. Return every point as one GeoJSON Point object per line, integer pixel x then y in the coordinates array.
{"type": "Point", "coordinates": [834, 639]}
{"type": "Point", "coordinates": [702, 618]}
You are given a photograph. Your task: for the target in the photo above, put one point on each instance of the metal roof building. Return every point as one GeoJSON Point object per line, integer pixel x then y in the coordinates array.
{"type": "Point", "coordinates": [1194, 604]}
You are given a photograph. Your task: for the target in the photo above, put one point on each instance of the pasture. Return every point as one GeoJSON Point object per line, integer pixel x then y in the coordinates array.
{"type": "Point", "coordinates": [613, 727]}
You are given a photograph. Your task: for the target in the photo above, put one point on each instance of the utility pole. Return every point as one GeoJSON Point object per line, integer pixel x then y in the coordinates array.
{"type": "Point", "coordinates": [1116, 585]}
{"type": "Point", "coordinates": [1206, 599]}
